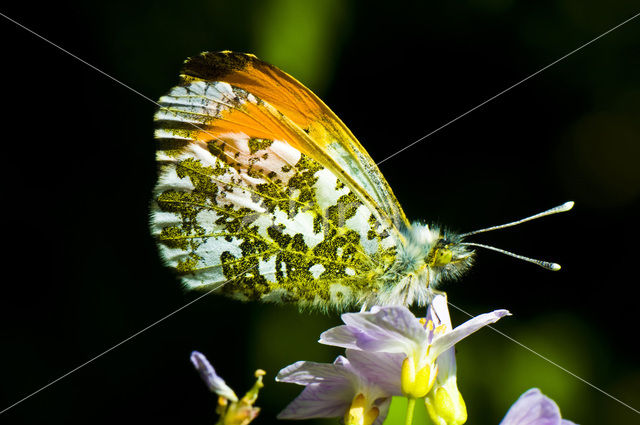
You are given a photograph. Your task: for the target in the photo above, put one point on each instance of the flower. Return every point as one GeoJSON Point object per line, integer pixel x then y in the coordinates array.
{"type": "Point", "coordinates": [444, 402]}
{"type": "Point", "coordinates": [394, 329]}
{"type": "Point", "coordinates": [357, 388]}
{"type": "Point", "coordinates": [208, 374]}
{"type": "Point", "coordinates": [534, 408]}
{"type": "Point", "coordinates": [239, 412]}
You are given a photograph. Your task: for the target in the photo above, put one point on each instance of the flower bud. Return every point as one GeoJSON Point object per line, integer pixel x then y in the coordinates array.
{"type": "Point", "coordinates": [446, 405]}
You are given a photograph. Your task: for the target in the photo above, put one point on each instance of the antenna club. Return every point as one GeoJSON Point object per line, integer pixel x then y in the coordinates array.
{"type": "Point", "coordinates": [559, 209]}
{"type": "Point", "coordinates": [555, 267]}
{"type": "Point", "coordinates": [566, 206]}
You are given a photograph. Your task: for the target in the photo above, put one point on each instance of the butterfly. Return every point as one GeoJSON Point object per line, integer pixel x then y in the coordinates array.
{"type": "Point", "coordinates": [264, 194]}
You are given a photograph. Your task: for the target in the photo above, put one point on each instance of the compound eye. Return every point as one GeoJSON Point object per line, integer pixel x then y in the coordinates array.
{"type": "Point", "coordinates": [441, 257]}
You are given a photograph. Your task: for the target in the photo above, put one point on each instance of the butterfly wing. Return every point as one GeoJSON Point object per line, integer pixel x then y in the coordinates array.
{"type": "Point", "coordinates": [330, 141]}
{"type": "Point", "coordinates": [252, 200]}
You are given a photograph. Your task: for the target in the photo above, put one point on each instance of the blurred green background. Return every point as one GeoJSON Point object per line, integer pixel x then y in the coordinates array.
{"type": "Point", "coordinates": [82, 273]}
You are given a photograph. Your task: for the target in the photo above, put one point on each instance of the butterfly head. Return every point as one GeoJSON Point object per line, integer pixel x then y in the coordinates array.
{"type": "Point", "coordinates": [446, 257]}
{"type": "Point", "coordinates": [437, 252]}
{"type": "Point", "coordinates": [447, 252]}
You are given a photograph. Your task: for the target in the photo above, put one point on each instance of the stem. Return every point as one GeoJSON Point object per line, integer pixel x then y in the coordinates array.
{"type": "Point", "coordinates": [411, 404]}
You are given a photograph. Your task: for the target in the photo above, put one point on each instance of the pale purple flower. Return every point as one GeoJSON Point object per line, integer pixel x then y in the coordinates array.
{"type": "Point", "coordinates": [394, 329]}
{"type": "Point", "coordinates": [231, 410]}
{"type": "Point", "coordinates": [357, 387]}
{"type": "Point", "coordinates": [208, 374]}
{"type": "Point", "coordinates": [534, 408]}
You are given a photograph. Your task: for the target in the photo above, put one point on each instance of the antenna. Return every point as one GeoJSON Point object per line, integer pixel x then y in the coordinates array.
{"type": "Point", "coordinates": [560, 208]}
{"type": "Point", "coordinates": [544, 264]}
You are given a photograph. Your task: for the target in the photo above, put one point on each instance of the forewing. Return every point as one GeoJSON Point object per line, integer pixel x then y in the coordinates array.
{"type": "Point", "coordinates": [330, 142]}
{"type": "Point", "coordinates": [240, 207]}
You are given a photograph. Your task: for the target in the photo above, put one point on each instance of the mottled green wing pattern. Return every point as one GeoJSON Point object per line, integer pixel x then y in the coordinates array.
{"type": "Point", "coordinates": [253, 217]}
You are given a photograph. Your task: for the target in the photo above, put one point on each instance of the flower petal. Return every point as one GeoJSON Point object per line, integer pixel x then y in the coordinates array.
{"type": "Point", "coordinates": [328, 399]}
{"type": "Point", "coordinates": [329, 389]}
{"type": "Point", "coordinates": [305, 373]}
{"type": "Point", "coordinates": [383, 369]}
{"type": "Point", "coordinates": [533, 408]}
{"type": "Point", "coordinates": [340, 336]}
{"type": "Point", "coordinates": [391, 329]}
{"type": "Point", "coordinates": [384, 410]}
{"type": "Point", "coordinates": [394, 320]}
{"type": "Point", "coordinates": [438, 312]}
{"type": "Point", "coordinates": [445, 341]}
{"type": "Point", "coordinates": [208, 374]}
{"type": "Point", "coordinates": [446, 363]}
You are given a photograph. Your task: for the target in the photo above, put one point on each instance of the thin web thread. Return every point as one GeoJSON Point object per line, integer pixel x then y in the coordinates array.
{"type": "Point", "coordinates": [114, 79]}
{"type": "Point", "coordinates": [551, 362]}
{"type": "Point", "coordinates": [124, 341]}
{"type": "Point", "coordinates": [511, 87]}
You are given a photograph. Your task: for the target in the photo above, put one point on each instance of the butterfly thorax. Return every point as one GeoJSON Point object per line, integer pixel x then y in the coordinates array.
{"type": "Point", "coordinates": [426, 257]}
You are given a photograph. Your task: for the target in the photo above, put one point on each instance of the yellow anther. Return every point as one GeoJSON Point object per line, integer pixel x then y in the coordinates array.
{"type": "Point", "coordinates": [430, 325]}
{"type": "Point", "coordinates": [355, 415]}
{"type": "Point", "coordinates": [251, 395]}
{"type": "Point", "coordinates": [422, 321]}
{"type": "Point", "coordinates": [371, 416]}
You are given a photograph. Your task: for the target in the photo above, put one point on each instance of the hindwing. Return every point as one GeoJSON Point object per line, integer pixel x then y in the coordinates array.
{"type": "Point", "coordinates": [252, 199]}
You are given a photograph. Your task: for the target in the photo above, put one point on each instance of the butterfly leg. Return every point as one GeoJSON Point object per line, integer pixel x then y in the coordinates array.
{"type": "Point", "coordinates": [434, 293]}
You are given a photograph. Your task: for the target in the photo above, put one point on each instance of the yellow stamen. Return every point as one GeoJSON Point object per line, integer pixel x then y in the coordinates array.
{"type": "Point", "coordinates": [408, 376]}
{"type": "Point", "coordinates": [430, 325]}
{"type": "Point", "coordinates": [355, 415]}
{"type": "Point", "coordinates": [440, 329]}
{"type": "Point", "coordinates": [251, 395]}
{"type": "Point", "coordinates": [371, 416]}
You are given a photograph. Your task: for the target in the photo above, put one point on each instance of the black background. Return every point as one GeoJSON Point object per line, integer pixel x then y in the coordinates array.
{"type": "Point", "coordinates": [82, 273]}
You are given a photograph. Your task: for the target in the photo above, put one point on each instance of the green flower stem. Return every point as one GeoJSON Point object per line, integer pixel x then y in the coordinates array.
{"type": "Point", "coordinates": [411, 404]}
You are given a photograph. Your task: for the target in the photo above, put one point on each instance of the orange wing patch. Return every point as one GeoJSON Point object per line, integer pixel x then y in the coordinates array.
{"type": "Point", "coordinates": [299, 117]}
{"type": "Point", "coordinates": [261, 79]}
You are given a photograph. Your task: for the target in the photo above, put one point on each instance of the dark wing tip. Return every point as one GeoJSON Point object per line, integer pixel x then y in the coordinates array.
{"type": "Point", "coordinates": [214, 66]}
